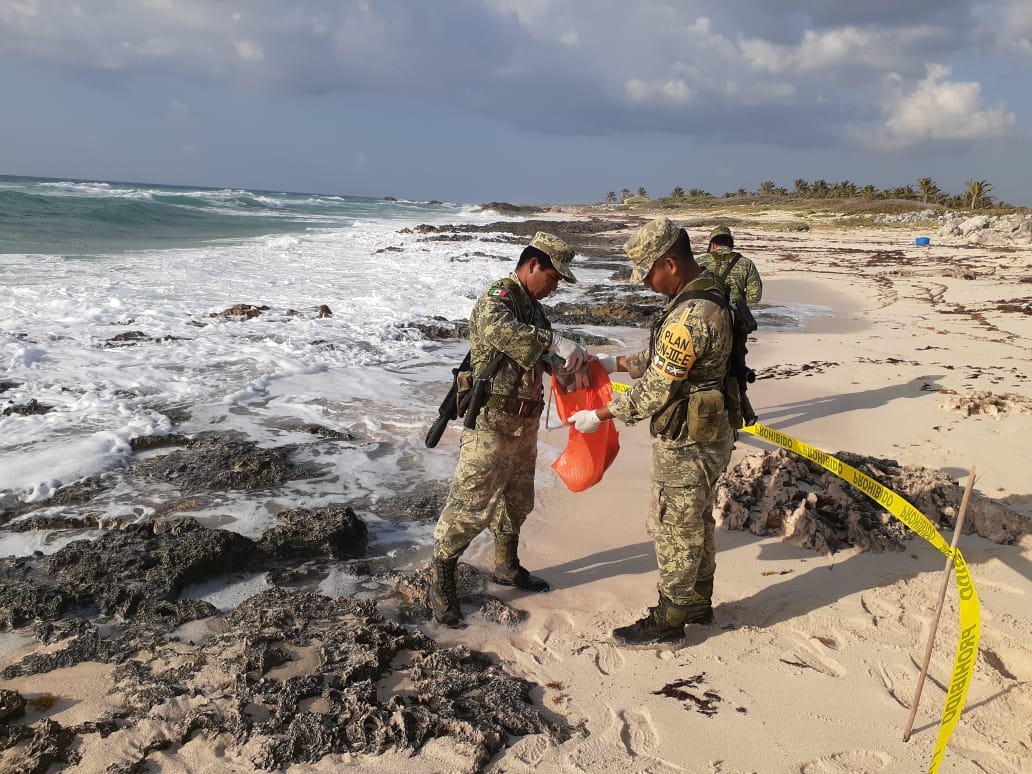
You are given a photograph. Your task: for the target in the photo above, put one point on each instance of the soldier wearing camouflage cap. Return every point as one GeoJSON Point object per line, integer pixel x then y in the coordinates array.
{"type": "Point", "coordinates": [738, 272]}
{"type": "Point", "coordinates": [558, 252]}
{"type": "Point", "coordinates": [493, 487]}
{"type": "Point", "coordinates": [680, 382]}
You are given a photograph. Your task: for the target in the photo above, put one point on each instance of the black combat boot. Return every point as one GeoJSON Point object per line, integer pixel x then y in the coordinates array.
{"type": "Point", "coordinates": [509, 571]}
{"type": "Point", "coordinates": [698, 614]}
{"type": "Point", "coordinates": [444, 599]}
{"type": "Point", "coordinates": [700, 611]}
{"type": "Point", "coordinates": [663, 623]}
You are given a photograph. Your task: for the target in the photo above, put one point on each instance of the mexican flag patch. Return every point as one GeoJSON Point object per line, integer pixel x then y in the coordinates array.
{"type": "Point", "coordinates": [499, 292]}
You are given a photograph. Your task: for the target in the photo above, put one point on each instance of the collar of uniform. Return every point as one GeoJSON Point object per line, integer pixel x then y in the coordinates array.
{"type": "Point", "coordinates": [705, 281]}
{"type": "Point", "coordinates": [515, 278]}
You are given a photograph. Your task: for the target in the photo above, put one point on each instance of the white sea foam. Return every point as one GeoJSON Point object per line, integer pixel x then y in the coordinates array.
{"type": "Point", "coordinates": [362, 371]}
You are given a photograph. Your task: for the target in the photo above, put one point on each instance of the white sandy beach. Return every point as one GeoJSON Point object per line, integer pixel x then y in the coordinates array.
{"type": "Point", "coordinates": [813, 660]}
{"type": "Point", "coordinates": [812, 663]}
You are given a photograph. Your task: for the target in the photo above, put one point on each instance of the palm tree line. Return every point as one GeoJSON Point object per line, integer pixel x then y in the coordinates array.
{"type": "Point", "coordinates": [976, 194]}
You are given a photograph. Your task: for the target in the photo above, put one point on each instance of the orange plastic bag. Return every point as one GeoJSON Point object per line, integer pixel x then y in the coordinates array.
{"type": "Point", "coordinates": [586, 456]}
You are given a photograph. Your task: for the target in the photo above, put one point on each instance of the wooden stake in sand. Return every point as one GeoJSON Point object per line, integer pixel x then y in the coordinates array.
{"type": "Point", "coordinates": [938, 610]}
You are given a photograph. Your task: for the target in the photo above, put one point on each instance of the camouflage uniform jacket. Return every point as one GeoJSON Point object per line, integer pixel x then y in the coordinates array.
{"type": "Point", "coordinates": [743, 281]}
{"type": "Point", "coordinates": [507, 319]}
{"type": "Point", "coordinates": [688, 351]}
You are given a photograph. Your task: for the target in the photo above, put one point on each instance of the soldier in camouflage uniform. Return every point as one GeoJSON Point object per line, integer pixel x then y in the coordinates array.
{"type": "Point", "coordinates": [494, 478]}
{"type": "Point", "coordinates": [680, 389]}
{"type": "Point", "coordinates": [743, 280]}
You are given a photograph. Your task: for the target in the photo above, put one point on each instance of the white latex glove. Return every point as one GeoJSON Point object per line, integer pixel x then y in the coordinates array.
{"type": "Point", "coordinates": [570, 351]}
{"type": "Point", "coordinates": [585, 420]}
{"type": "Point", "coordinates": [608, 362]}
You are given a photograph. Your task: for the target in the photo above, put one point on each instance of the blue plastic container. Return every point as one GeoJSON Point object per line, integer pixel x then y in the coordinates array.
{"type": "Point", "coordinates": [923, 241]}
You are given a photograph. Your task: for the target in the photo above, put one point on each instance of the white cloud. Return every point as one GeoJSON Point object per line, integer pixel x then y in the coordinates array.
{"type": "Point", "coordinates": [249, 51]}
{"type": "Point", "coordinates": [15, 10]}
{"type": "Point", "coordinates": [939, 109]}
{"type": "Point", "coordinates": [1015, 33]}
{"type": "Point", "coordinates": [837, 49]}
{"type": "Point", "coordinates": [673, 91]}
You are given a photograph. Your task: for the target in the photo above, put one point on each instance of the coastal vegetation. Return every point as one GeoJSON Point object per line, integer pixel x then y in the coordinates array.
{"type": "Point", "coordinates": [977, 195]}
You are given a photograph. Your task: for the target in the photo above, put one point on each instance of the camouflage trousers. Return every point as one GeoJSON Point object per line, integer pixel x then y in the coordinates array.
{"type": "Point", "coordinates": [493, 488]}
{"type": "Point", "coordinates": [680, 519]}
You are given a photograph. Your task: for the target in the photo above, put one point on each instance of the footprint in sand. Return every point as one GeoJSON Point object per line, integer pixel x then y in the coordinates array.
{"type": "Point", "coordinates": [882, 611]}
{"type": "Point", "coordinates": [608, 660]}
{"type": "Point", "coordinates": [850, 762]}
{"type": "Point", "coordinates": [626, 745]}
{"type": "Point", "coordinates": [529, 750]}
{"type": "Point", "coordinates": [813, 653]}
{"type": "Point", "coordinates": [531, 653]}
{"type": "Point", "coordinates": [637, 732]}
{"type": "Point", "coordinates": [899, 684]}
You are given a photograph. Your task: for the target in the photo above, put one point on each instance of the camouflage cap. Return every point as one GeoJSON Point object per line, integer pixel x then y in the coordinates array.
{"type": "Point", "coordinates": [720, 230]}
{"type": "Point", "coordinates": [558, 252]}
{"type": "Point", "coordinates": [650, 243]}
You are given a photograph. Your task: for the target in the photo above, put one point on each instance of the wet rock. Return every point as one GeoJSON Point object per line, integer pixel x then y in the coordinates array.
{"type": "Point", "coordinates": [123, 572]}
{"type": "Point", "coordinates": [138, 572]}
{"type": "Point", "coordinates": [318, 312]}
{"type": "Point", "coordinates": [129, 336]}
{"type": "Point", "coordinates": [615, 312]}
{"type": "Point", "coordinates": [326, 432]}
{"type": "Point", "coordinates": [504, 208]}
{"type": "Point", "coordinates": [590, 237]}
{"type": "Point", "coordinates": [142, 443]}
{"type": "Point", "coordinates": [71, 495]}
{"type": "Point", "coordinates": [240, 312]}
{"type": "Point", "coordinates": [48, 523]}
{"type": "Point", "coordinates": [422, 505]}
{"type": "Point", "coordinates": [220, 461]}
{"type": "Point", "coordinates": [335, 532]}
{"type": "Point", "coordinates": [438, 328]}
{"type": "Point", "coordinates": [32, 408]}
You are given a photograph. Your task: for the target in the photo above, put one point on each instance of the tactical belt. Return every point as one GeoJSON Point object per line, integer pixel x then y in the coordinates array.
{"type": "Point", "coordinates": [518, 406]}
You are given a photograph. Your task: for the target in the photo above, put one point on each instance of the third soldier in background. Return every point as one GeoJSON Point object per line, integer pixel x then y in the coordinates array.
{"type": "Point", "coordinates": [738, 272]}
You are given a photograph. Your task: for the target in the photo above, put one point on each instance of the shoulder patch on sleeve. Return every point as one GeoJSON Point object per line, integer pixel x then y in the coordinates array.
{"type": "Point", "coordinates": [675, 352]}
{"type": "Point", "coordinates": [499, 292]}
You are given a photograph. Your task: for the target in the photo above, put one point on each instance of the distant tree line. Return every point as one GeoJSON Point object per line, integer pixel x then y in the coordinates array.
{"type": "Point", "coordinates": [977, 193]}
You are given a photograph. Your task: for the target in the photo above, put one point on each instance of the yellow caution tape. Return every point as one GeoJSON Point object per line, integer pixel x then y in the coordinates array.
{"type": "Point", "coordinates": [970, 611]}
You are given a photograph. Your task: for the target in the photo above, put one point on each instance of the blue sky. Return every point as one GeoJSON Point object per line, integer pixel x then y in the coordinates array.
{"type": "Point", "coordinates": [518, 100]}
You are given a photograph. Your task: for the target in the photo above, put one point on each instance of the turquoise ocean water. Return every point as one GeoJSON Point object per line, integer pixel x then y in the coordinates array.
{"type": "Point", "coordinates": [84, 217]}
